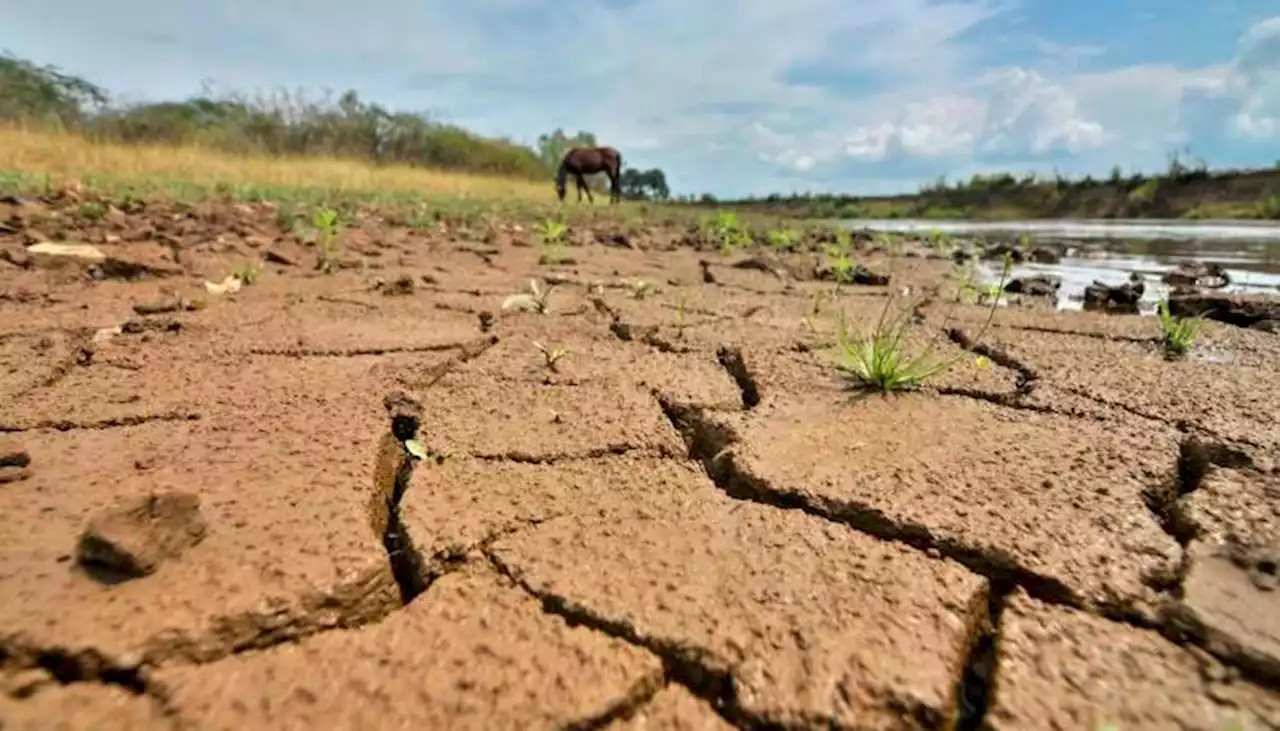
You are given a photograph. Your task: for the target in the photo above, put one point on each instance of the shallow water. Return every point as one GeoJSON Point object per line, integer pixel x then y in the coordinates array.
{"type": "Point", "coordinates": [1108, 251]}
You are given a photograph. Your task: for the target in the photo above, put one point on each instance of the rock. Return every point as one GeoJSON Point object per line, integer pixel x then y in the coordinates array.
{"type": "Point", "coordinates": [400, 286]}
{"type": "Point", "coordinates": [1197, 274]}
{"type": "Point", "coordinates": [1042, 285]}
{"type": "Point", "coordinates": [1231, 602]}
{"type": "Point", "coordinates": [859, 275]}
{"type": "Point", "coordinates": [13, 454]}
{"type": "Point", "coordinates": [1257, 311]}
{"type": "Point", "coordinates": [1044, 255]}
{"type": "Point", "coordinates": [1120, 299]}
{"type": "Point", "coordinates": [133, 538]}
{"type": "Point", "coordinates": [277, 255]}
{"type": "Point", "coordinates": [49, 251]}
{"type": "Point", "coordinates": [1000, 250]}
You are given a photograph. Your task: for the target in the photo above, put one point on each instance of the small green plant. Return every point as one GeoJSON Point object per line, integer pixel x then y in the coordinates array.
{"type": "Point", "coordinates": [879, 361]}
{"type": "Point", "coordinates": [727, 232]}
{"type": "Point", "coordinates": [421, 452]}
{"type": "Point", "coordinates": [551, 238]}
{"type": "Point", "coordinates": [937, 239]}
{"type": "Point", "coordinates": [1146, 192]}
{"type": "Point", "coordinates": [247, 272]}
{"type": "Point", "coordinates": [325, 222]}
{"type": "Point", "coordinates": [91, 211]}
{"type": "Point", "coordinates": [640, 288]}
{"type": "Point", "coordinates": [537, 299]}
{"type": "Point", "coordinates": [783, 239]}
{"type": "Point", "coordinates": [840, 259]}
{"type": "Point", "coordinates": [550, 355]}
{"type": "Point", "coordinates": [1269, 207]}
{"type": "Point", "coordinates": [1177, 334]}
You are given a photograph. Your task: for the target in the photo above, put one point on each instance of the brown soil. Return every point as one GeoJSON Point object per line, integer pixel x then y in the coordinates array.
{"type": "Point", "coordinates": [689, 522]}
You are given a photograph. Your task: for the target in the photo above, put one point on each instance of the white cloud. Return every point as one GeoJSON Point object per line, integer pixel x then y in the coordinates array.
{"type": "Point", "coordinates": [1255, 79]}
{"type": "Point", "coordinates": [699, 89]}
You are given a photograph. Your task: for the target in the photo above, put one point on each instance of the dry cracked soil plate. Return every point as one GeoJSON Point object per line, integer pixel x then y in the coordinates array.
{"type": "Point", "coordinates": [472, 653]}
{"type": "Point", "coordinates": [810, 619]}
{"type": "Point", "coordinates": [1058, 501]}
{"type": "Point", "coordinates": [284, 474]}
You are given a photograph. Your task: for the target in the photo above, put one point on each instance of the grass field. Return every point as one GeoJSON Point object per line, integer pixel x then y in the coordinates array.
{"type": "Point", "coordinates": [33, 159]}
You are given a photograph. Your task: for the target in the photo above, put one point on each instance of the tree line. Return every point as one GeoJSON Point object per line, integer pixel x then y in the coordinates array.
{"type": "Point", "coordinates": [284, 123]}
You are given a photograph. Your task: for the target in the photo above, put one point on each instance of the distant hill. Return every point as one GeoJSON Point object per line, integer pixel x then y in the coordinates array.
{"type": "Point", "coordinates": [1182, 192]}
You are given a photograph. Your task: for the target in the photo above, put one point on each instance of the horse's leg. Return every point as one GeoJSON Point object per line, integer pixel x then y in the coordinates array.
{"type": "Point", "coordinates": [582, 185]}
{"type": "Point", "coordinates": [615, 195]}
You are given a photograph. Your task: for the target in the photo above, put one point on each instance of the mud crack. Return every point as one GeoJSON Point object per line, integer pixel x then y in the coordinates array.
{"type": "Point", "coordinates": [467, 353]}
{"type": "Point", "coordinates": [392, 472]}
{"type": "Point", "coordinates": [636, 698]}
{"type": "Point", "coordinates": [732, 361]}
{"type": "Point", "coordinates": [692, 667]}
{"type": "Point", "coordinates": [609, 450]}
{"type": "Point", "coordinates": [87, 665]}
{"type": "Point", "coordinates": [978, 680]}
{"type": "Point", "coordinates": [112, 423]}
{"type": "Point", "coordinates": [354, 352]}
{"type": "Point", "coordinates": [712, 445]}
{"type": "Point", "coordinates": [1027, 376]}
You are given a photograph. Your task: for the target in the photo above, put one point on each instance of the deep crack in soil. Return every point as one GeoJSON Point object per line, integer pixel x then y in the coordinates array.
{"type": "Point", "coordinates": [688, 666]}
{"type": "Point", "coordinates": [711, 445]}
{"type": "Point", "coordinates": [978, 679]}
{"type": "Point", "coordinates": [392, 473]}
{"type": "Point", "coordinates": [1027, 376]}
{"type": "Point", "coordinates": [732, 361]}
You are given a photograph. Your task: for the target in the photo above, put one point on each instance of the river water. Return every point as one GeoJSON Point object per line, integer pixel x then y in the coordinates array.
{"type": "Point", "coordinates": [1108, 251]}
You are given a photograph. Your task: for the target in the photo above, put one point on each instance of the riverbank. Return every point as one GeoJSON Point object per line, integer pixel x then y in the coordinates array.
{"type": "Point", "coordinates": [1189, 194]}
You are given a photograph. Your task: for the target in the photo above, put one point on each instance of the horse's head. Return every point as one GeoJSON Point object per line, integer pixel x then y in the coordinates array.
{"type": "Point", "coordinates": [560, 184]}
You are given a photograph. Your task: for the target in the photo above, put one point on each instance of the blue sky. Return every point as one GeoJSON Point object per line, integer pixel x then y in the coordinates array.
{"type": "Point", "coordinates": [736, 96]}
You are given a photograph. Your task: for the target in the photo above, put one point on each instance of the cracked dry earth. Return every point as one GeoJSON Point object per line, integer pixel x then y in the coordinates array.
{"type": "Point", "coordinates": [209, 521]}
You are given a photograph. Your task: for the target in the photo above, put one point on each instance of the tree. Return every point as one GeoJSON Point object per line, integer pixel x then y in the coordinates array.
{"type": "Point", "coordinates": [552, 147]}
{"type": "Point", "coordinates": [644, 184]}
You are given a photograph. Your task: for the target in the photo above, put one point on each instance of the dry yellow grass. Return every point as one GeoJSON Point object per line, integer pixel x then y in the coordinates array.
{"type": "Point", "coordinates": [66, 157]}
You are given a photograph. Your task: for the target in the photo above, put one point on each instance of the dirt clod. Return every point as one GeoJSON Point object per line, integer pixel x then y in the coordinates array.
{"type": "Point", "coordinates": [133, 538]}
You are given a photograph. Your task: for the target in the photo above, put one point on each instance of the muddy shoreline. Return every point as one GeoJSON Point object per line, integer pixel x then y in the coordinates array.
{"type": "Point", "coordinates": [645, 499]}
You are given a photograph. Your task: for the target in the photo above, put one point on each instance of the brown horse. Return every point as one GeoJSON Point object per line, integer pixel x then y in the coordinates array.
{"type": "Point", "coordinates": [581, 161]}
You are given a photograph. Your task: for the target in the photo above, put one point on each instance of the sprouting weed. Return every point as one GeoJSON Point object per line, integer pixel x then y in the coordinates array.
{"type": "Point", "coordinates": [551, 231]}
{"type": "Point", "coordinates": [1177, 334]}
{"type": "Point", "coordinates": [879, 361]}
{"type": "Point", "coordinates": [726, 231]}
{"type": "Point", "coordinates": [247, 272]}
{"type": "Point", "coordinates": [937, 239]}
{"type": "Point", "coordinates": [843, 267]}
{"type": "Point", "coordinates": [783, 239]}
{"type": "Point", "coordinates": [325, 221]}
{"type": "Point", "coordinates": [535, 300]}
{"type": "Point", "coordinates": [551, 238]}
{"type": "Point", "coordinates": [640, 288]}
{"type": "Point", "coordinates": [550, 355]}
{"type": "Point", "coordinates": [421, 452]}
{"type": "Point", "coordinates": [680, 321]}
{"type": "Point", "coordinates": [91, 211]}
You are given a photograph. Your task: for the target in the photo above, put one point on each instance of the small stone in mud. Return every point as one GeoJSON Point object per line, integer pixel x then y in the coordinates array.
{"type": "Point", "coordinates": [158, 307]}
{"type": "Point", "coordinates": [1042, 285]}
{"type": "Point", "coordinates": [400, 286]}
{"type": "Point", "coordinates": [133, 538]}
{"type": "Point", "coordinates": [13, 454]}
{"type": "Point", "coordinates": [486, 321]}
